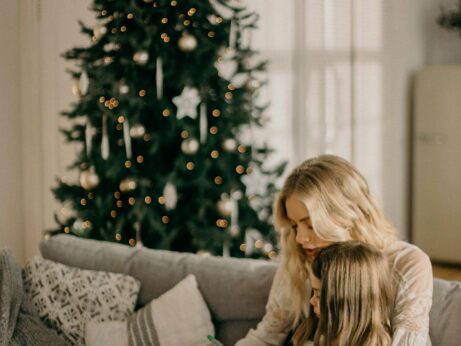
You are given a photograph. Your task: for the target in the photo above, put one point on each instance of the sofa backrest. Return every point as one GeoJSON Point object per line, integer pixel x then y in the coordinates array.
{"type": "Point", "coordinates": [236, 290]}
{"type": "Point", "coordinates": [445, 316]}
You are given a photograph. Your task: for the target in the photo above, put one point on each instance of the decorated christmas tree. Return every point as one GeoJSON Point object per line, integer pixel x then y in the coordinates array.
{"type": "Point", "coordinates": [450, 18]}
{"type": "Point", "coordinates": [167, 100]}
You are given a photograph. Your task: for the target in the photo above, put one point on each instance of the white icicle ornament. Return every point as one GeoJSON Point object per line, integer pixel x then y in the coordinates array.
{"type": "Point", "coordinates": [171, 196]}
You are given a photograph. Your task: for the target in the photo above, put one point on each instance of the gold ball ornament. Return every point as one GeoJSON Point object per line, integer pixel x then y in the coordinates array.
{"type": "Point", "coordinates": [127, 185]}
{"type": "Point", "coordinates": [89, 179]}
{"type": "Point", "coordinates": [187, 42]}
{"type": "Point", "coordinates": [141, 57]}
{"type": "Point", "coordinates": [137, 130]}
{"type": "Point", "coordinates": [189, 146]}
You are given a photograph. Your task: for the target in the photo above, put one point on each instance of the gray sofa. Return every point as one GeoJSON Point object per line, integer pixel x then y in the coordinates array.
{"type": "Point", "coordinates": [236, 290]}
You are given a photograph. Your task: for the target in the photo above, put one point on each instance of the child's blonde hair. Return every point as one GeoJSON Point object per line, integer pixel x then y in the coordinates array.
{"type": "Point", "coordinates": [340, 207]}
{"type": "Point", "coordinates": [355, 296]}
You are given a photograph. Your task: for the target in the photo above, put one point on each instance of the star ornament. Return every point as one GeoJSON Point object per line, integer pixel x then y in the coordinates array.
{"type": "Point", "coordinates": [187, 103]}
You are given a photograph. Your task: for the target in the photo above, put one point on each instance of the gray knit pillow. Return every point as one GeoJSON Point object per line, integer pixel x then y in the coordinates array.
{"type": "Point", "coordinates": [66, 298]}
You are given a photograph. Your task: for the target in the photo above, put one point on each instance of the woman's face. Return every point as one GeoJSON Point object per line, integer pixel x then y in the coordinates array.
{"type": "Point", "coordinates": [300, 220]}
{"type": "Point", "coordinates": [315, 299]}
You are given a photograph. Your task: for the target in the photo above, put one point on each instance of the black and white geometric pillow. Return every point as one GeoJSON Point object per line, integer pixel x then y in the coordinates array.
{"type": "Point", "coordinates": [67, 298]}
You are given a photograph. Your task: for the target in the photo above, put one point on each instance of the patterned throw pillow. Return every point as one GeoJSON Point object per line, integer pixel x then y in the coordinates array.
{"type": "Point", "coordinates": [178, 317]}
{"type": "Point", "coordinates": [66, 298]}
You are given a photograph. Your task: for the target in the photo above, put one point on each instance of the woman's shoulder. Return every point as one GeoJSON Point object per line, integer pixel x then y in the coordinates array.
{"type": "Point", "coordinates": [407, 259]}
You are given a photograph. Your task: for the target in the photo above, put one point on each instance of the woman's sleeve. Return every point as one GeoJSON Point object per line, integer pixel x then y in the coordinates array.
{"type": "Point", "coordinates": [276, 323]}
{"type": "Point", "coordinates": [410, 321]}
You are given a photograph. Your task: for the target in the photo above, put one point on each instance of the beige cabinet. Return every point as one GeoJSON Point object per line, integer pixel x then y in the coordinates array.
{"type": "Point", "coordinates": [436, 166]}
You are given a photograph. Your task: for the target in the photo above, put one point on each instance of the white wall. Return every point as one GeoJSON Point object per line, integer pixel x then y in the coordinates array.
{"type": "Point", "coordinates": [48, 29]}
{"type": "Point", "coordinates": [11, 187]}
{"type": "Point", "coordinates": [34, 88]}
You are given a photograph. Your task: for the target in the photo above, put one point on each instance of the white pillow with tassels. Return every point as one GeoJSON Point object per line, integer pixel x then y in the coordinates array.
{"type": "Point", "coordinates": [178, 317]}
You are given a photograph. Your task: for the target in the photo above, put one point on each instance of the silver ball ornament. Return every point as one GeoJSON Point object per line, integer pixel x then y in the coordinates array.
{"type": "Point", "coordinates": [187, 42]}
{"type": "Point", "coordinates": [229, 145]}
{"type": "Point", "coordinates": [89, 179]}
{"type": "Point", "coordinates": [225, 207]}
{"type": "Point", "coordinates": [76, 87]}
{"type": "Point", "coordinates": [111, 46]}
{"type": "Point", "coordinates": [204, 253]}
{"type": "Point", "coordinates": [77, 226]}
{"type": "Point", "coordinates": [237, 194]}
{"type": "Point", "coordinates": [137, 130]}
{"type": "Point", "coordinates": [268, 247]}
{"type": "Point", "coordinates": [99, 31]}
{"type": "Point", "coordinates": [123, 88]}
{"type": "Point", "coordinates": [189, 146]}
{"type": "Point", "coordinates": [252, 84]}
{"type": "Point", "coordinates": [234, 231]}
{"type": "Point", "coordinates": [80, 226]}
{"type": "Point", "coordinates": [127, 185]}
{"type": "Point", "coordinates": [141, 57]}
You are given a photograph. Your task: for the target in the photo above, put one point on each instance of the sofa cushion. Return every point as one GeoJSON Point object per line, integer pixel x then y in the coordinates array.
{"type": "Point", "coordinates": [67, 297]}
{"type": "Point", "coordinates": [234, 289]}
{"type": "Point", "coordinates": [178, 317]}
{"type": "Point", "coordinates": [445, 315]}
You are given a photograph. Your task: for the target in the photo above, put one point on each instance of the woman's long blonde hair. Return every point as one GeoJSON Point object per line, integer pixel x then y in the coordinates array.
{"type": "Point", "coordinates": [355, 296]}
{"type": "Point", "coordinates": [340, 208]}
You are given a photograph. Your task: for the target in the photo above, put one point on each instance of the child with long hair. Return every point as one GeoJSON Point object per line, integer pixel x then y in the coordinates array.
{"type": "Point", "coordinates": [351, 298]}
{"type": "Point", "coordinates": [325, 200]}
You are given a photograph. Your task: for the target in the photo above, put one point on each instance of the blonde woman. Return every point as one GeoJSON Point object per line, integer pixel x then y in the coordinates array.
{"type": "Point", "coordinates": [351, 297]}
{"type": "Point", "coordinates": [323, 201]}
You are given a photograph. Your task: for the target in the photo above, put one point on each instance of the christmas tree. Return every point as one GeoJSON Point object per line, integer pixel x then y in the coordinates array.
{"type": "Point", "coordinates": [167, 97]}
{"type": "Point", "coordinates": [450, 18]}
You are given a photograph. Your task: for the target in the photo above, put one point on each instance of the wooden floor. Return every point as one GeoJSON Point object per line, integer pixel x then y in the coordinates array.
{"type": "Point", "coordinates": [446, 272]}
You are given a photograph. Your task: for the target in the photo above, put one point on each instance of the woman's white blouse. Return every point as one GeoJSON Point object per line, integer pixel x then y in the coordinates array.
{"type": "Point", "coordinates": [411, 271]}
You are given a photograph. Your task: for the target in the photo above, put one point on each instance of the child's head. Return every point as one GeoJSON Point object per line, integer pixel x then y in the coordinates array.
{"type": "Point", "coordinates": [351, 295]}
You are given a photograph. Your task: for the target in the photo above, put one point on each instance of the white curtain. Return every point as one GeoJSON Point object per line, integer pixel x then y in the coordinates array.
{"type": "Point", "coordinates": [340, 77]}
